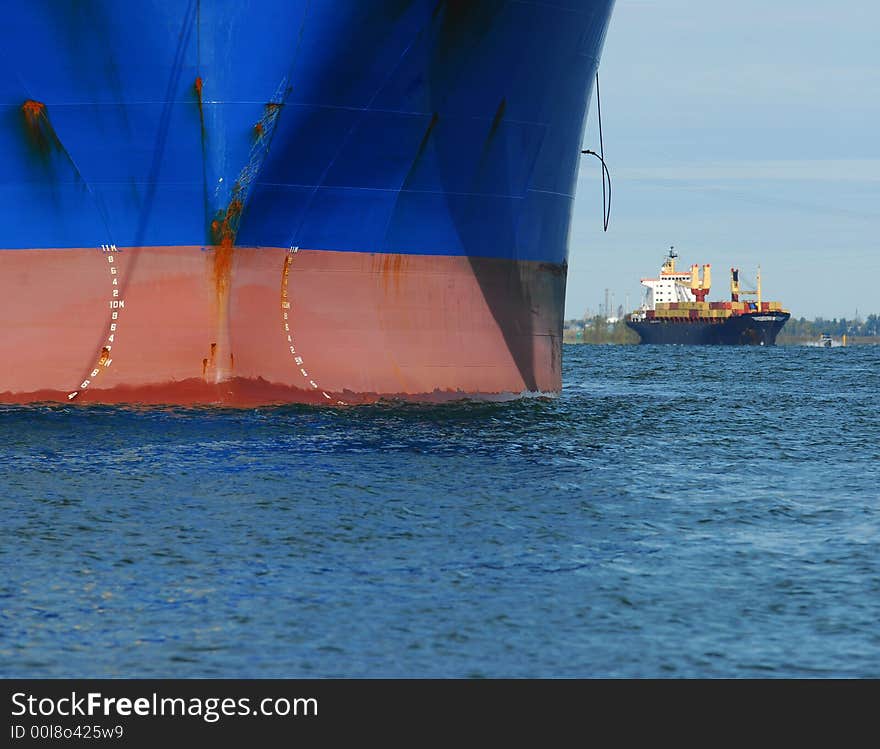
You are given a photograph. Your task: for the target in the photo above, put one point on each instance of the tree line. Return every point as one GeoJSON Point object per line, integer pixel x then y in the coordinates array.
{"type": "Point", "coordinates": [598, 330]}
{"type": "Point", "coordinates": [803, 328]}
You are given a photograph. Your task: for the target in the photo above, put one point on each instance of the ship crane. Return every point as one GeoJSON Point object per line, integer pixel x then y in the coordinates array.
{"type": "Point", "coordinates": [700, 286]}
{"type": "Point", "coordinates": [736, 291]}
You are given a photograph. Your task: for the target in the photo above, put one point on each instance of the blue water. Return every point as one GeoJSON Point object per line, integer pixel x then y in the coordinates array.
{"type": "Point", "coordinates": [676, 512]}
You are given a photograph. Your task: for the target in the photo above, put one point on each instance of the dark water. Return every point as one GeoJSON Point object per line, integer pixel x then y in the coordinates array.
{"type": "Point", "coordinates": [677, 512]}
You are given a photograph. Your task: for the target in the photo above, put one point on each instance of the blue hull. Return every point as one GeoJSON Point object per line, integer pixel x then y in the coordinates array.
{"type": "Point", "coordinates": [225, 201]}
{"type": "Point", "coordinates": [418, 127]}
{"type": "Point", "coordinates": [755, 329]}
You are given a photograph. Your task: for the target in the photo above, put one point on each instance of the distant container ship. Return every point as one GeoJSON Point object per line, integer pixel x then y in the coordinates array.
{"type": "Point", "coordinates": [675, 310]}
{"type": "Point", "coordinates": [327, 202]}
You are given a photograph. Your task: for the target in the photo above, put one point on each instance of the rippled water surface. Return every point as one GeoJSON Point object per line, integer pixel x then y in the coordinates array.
{"type": "Point", "coordinates": [677, 511]}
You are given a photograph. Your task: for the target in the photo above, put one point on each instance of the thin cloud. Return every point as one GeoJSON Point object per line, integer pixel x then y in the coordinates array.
{"type": "Point", "coordinates": [833, 170]}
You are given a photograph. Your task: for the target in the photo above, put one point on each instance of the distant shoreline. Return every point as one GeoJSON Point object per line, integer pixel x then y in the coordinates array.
{"type": "Point", "coordinates": [797, 332]}
{"type": "Point", "coordinates": [570, 338]}
{"type": "Point", "coordinates": [856, 340]}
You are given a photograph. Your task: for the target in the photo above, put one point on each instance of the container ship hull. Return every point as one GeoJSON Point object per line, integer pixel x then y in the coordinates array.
{"type": "Point", "coordinates": [677, 310]}
{"type": "Point", "coordinates": [329, 203]}
{"type": "Point", "coordinates": [755, 329]}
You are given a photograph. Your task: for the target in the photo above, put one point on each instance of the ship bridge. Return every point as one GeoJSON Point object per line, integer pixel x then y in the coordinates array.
{"type": "Point", "coordinates": [671, 286]}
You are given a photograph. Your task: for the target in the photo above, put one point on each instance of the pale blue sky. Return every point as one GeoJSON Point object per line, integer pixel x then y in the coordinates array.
{"type": "Point", "coordinates": [743, 133]}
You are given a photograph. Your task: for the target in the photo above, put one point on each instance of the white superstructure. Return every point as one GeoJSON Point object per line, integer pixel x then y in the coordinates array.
{"type": "Point", "coordinates": [672, 286]}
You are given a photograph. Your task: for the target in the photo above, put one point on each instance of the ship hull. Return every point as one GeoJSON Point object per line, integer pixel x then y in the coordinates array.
{"type": "Point", "coordinates": [187, 325]}
{"type": "Point", "coordinates": [755, 329]}
{"type": "Point", "coordinates": [334, 203]}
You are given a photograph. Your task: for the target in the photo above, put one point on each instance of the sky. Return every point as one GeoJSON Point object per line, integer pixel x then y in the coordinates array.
{"type": "Point", "coordinates": [743, 133]}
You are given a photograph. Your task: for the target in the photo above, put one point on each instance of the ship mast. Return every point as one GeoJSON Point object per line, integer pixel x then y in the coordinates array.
{"type": "Point", "coordinates": [736, 291]}
{"type": "Point", "coordinates": [669, 261]}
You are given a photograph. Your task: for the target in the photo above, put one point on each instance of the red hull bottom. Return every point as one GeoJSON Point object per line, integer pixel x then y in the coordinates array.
{"type": "Point", "coordinates": [259, 326]}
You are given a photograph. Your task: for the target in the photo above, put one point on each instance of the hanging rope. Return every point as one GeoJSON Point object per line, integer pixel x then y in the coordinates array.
{"type": "Point", "coordinates": [606, 175]}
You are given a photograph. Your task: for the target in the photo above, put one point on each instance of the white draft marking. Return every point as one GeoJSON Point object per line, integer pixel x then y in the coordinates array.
{"type": "Point", "coordinates": [116, 305]}
{"type": "Point", "coordinates": [285, 324]}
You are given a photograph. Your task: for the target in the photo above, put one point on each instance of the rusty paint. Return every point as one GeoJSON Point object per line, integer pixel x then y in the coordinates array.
{"type": "Point", "coordinates": [222, 267]}
{"type": "Point", "coordinates": [266, 122]}
{"type": "Point", "coordinates": [228, 228]}
{"type": "Point", "coordinates": [33, 110]}
{"type": "Point", "coordinates": [241, 392]}
{"type": "Point", "coordinates": [223, 232]}
{"type": "Point", "coordinates": [198, 87]}
{"type": "Point", "coordinates": [391, 268]}
{"type": "Point", "coordinates": [38, 128]}
{"type": "Point", "coordinates": [224, 229]}
{"type": "Point", "coordinates": [218, 228]}
{"type": "Point", "coordinates": [234, 209]}
{"type": "Point", "coordinates": [209, 365]}
{"type": "Point", "coordinates": [235, 392]}
{"type": "Point", "coordinates": [224, 226]}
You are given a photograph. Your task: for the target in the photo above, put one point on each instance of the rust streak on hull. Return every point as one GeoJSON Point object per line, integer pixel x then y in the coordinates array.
{"type": "Point", "coordinates": [224, 232]}
{"type": "Point", "coordinates": [40, 133]}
